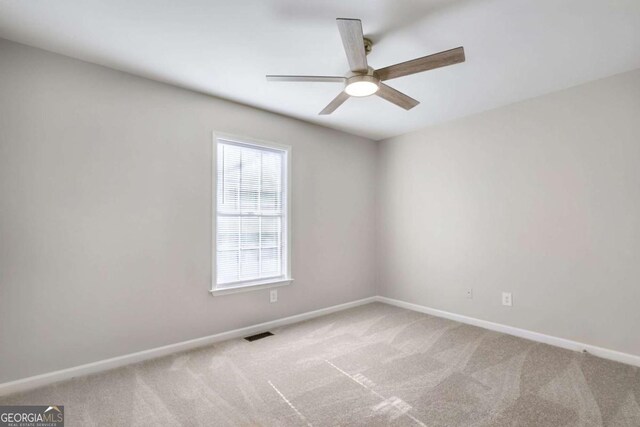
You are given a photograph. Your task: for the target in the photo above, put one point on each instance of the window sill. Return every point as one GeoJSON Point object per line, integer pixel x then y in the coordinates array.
{"type": "Point", "coordinates": [252, 286]}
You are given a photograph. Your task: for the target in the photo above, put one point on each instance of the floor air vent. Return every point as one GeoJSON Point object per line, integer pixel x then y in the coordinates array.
{"type": "Point", "coordinates": [258, 336]}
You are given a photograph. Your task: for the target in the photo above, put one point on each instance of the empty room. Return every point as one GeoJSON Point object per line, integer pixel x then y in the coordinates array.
{"type": "Point", "coordinates": [319, 213]}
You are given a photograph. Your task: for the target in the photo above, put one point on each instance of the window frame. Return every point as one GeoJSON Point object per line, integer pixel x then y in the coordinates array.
{"type": "Point", "coordinates": [254, 284]}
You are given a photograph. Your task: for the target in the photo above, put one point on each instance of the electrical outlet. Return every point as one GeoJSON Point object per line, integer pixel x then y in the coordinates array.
{"type": "Point", "coordinates": [273, 295]}
{"type": "Point", "coordinates": [506, 299]}
{"type": "Point", "coordinates": [470, 293]}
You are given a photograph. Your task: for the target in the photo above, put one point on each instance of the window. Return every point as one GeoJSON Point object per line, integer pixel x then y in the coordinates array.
{"type": "Point", "coordinates": [252, 239]}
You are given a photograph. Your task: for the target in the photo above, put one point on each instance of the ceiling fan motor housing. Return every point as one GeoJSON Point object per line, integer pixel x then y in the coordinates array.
{"type": "Point", "coordinates": [362, 84]}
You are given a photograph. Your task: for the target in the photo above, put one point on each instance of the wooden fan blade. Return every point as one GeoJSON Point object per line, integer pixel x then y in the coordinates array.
{"type": "Point", "coordinates": [396, 97]}
{"type": "Point", "coordinates": [337, 101]}
{"type": "Point", "coordinates": [283, 78]}
{"type": "Point", "coordinates": [442, 59]}
{"type": "Point", "coordinates": [353, 41]}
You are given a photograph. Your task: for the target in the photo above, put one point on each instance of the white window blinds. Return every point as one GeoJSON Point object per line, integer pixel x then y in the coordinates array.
{"type": "Point", "coordinates": [251, 214]}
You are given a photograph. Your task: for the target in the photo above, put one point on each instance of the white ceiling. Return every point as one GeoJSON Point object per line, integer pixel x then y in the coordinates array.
{"type": "Point", "coordinates": [515, 49]}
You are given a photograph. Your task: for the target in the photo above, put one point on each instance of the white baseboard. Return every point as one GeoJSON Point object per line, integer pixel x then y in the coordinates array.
{"type": "Point", "coordinates": [116, 362]}
{"type": "Point", "coordinates": [605, 353]}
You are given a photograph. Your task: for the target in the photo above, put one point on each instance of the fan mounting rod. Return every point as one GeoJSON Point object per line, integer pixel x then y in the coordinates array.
{"type": "Point", "coordinates": [368, 45]}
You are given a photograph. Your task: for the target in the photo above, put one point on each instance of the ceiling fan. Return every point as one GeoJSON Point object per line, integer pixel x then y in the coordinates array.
{"type": "Point", "coordinates": [363, 80]}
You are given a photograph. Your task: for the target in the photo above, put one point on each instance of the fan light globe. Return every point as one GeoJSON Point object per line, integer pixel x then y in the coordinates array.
{"type": "Point", "coordinates": [361, 88]}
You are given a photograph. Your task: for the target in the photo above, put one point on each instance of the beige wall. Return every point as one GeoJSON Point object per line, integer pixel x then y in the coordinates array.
{"type": "Point", "coordinates": [105, 214]}
{"type": "Point", "coordinates": [540, 198]}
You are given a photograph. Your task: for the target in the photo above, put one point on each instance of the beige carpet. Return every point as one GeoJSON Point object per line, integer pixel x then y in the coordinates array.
{"type": "Point", "coordinates": [371, 365]}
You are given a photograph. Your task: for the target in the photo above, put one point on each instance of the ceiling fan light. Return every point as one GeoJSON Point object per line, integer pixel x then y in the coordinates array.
{"type": "Point", "coordinates": [362, 85]}
{"type": "Point", "coordinates": [361, 88]}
